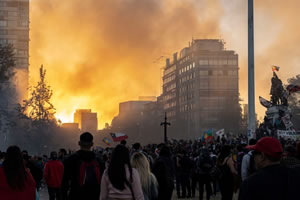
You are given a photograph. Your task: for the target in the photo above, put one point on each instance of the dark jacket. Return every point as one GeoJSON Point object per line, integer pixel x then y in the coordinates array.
{"type": "Point", "coordinates": [71, 179]}
{"type": "Point", "coordinates": [164, 171]}
{"type": "Point", "coordinates": [274, 182]}
{"type": "Point", "coordinates": [37, 172]}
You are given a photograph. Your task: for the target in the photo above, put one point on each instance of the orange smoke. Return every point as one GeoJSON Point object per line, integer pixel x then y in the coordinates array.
{"type": "Point", "coordinates": [100, 53]}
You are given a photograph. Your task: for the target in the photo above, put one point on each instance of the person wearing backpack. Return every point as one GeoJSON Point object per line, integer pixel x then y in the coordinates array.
{"type": "Point", "coordinates": [82, 172]}
{"type": "Point", "coordinates": [248, 164]}
{"type": "Point", "coordinates": [186, 165]}
{"type": "Point", "coordinates": [205, 164]}
{"type": "Point", "coordinates": [120, 180]}
{"type": "Point", "coordinates": [228, 172]}
{"type": "Point", "coordinates": [53, 174]}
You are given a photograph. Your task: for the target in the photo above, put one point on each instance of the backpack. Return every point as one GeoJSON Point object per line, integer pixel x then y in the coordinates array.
{"type": "Point", "coordinates": [252, 167]}
{"type": "Point", "coordinates": [205, 164]}
{"type": "Point", "coordinates": [89, 173]}
{"type": "Point", "coordinates": [216, 173]}
{"type": "Point", "coordinates": [239, 162]}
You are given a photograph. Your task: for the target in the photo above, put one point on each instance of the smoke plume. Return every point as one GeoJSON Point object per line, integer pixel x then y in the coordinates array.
{"type": "Point", "coordinates": [100, 53]}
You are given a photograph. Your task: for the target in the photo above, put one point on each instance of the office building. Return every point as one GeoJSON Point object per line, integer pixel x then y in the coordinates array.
{"type": "Point", "coordinates": [200, 89]}
{"type": "Point", "coordinates": [14, 29]}
{"type": "Point", "coordinates": [86, 119]}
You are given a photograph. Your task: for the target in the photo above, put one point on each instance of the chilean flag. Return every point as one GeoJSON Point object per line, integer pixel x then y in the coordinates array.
{"type": "Point", "coordinates": [117, 137]}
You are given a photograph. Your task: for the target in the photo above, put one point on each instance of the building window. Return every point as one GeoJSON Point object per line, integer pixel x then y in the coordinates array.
{"type": "Point", "coordinates": [232, 72]}
{"type": "Point", "coordinates": [203, 84]}
{"type": "Point", "coordinates": [203, 73]}
{"type": "Point", "coordinates": [3, 32]}
{"type": "Point", "coordinates": [12, 4]}
{"type": "Point", "coordinates": [23, 23]}
{"type": "Point", "coordinates": [12, 14]}
{"type": "Point", "coordinates": [3, 23]}
{"type": "Point", "coordinates": [215, 73]}
{"type": "Point", "coordinates": [22, 53]}
{"type": "Point", "coordinates": [203, 62]}
{"type": "Point", "coordinates": [213, 62]}
{"type": "Point", "coordinates": [12, 42]}
{"type": "Point", "coordinates": [223, 62]}
{"type": "Point", "coordinates": [3, 13]}
{"type": "Point", "coordinates": [3, 41]}
{"type": "Point", "coordinates": [166, 71]}
{"type": "Point", "coordinates": [232, 62]}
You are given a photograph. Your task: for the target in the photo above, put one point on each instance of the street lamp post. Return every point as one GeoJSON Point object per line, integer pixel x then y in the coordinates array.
{"type": "Point", "coordinates": [251, 86]}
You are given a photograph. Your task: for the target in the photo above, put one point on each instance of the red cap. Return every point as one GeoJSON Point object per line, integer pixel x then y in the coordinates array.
{"type": "Point", "coordinates": [268, 145]}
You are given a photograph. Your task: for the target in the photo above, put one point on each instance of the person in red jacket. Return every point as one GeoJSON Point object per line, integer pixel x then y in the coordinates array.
{"type": "Point", "coordinates": [16, 182]}
{"type": "Point", "coordinates": [53, 174]}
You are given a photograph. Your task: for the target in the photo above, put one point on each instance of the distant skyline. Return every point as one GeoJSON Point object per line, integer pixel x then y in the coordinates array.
{"type": "Point", "coordinates": [109, 54]}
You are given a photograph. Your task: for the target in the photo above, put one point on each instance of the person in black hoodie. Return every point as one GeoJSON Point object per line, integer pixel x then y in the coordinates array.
{"type": "Point", "coordinates": [164, 171]}
{"type": "Point", "coordinates": [35, 170]}
{"type": "Point", "coordinates": [82, 172]}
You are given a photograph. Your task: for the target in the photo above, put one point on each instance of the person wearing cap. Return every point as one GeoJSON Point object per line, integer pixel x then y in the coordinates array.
{"type": "Point", "coordinates": [78, 167]}
{"type": "Point", "coordinates": [53, 174]}
{"type": "Point", "coordinates": [272, 181]}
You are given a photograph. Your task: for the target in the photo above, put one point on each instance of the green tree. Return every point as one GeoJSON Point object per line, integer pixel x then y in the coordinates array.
{"type": "Point", "coordinates": [38, 107]}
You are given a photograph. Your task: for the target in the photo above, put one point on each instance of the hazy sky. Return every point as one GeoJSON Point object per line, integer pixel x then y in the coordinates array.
{"type": "Point", "coordinates": [101, 52]}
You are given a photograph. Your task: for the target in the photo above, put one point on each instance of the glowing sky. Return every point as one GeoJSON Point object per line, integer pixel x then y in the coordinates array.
{"type": "Point", "coordinates": [98, 53]}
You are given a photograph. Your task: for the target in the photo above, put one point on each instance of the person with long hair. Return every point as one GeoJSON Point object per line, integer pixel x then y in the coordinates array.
{"type": "Point", "coordinates": [148, 180]}
{"type": "Point", "coordinates": [16, 182]}
{"type": "Point", "coordinates": [226, 164]}
{"type": "Point", "coordinates": [120, 180]}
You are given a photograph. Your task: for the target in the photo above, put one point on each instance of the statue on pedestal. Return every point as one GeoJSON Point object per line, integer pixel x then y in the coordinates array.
{"type": "Point", "coordinates": [278, 93]}
{"type": "Point", "coordinates": [278, 113]}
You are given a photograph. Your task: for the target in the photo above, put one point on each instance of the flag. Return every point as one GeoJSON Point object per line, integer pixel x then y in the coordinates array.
{"type": "Point", "coordinates": [208, 135]}
{"type": "Point", "coordinates": [265, 102]}
{"type": "Point", "coordinates": [220, 132]}
{"type": "Point", "coordinates": [117, 137]}
{"type": "Point", "coordinates": [107, 141]}
{"type": "Point", "coordinates": [275, 68]}
{"type": "Point", "coordinates": [293, 88]}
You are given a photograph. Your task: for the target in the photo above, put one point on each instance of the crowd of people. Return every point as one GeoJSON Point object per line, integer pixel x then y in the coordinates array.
{"type": "Point", "coordinates": [265, 169]}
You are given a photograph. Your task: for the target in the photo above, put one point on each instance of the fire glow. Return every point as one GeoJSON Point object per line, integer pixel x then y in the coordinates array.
{"type": "Point", "coordinates": [101, 53]}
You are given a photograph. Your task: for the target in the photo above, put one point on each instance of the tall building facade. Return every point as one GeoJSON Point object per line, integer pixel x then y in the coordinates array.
{"type": "Point", "coordinates": [86, 120]}
{"type": "Point", "coordinates": [200, 89]}
{"type": "Point", "coordinates": [14, 29]}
